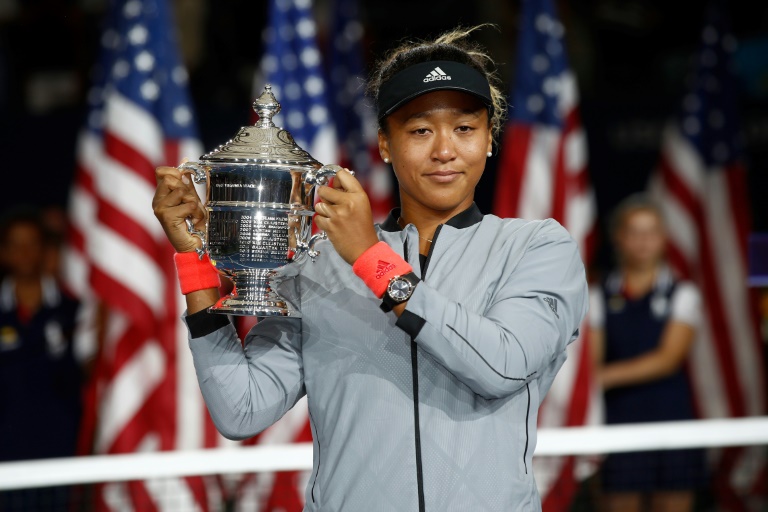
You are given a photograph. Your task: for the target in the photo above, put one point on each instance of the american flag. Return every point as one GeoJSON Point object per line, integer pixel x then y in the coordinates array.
{"type": "Point", "coordinates": [353, 115]}
{"type": "Point", "coordinates": [701, 185]}
{"type": "Point", "coordinates": [144, 396]}
{"type": "Point", "coordinates": [542, 173]}
{"type": "Point", "coordinates": [292, 65]}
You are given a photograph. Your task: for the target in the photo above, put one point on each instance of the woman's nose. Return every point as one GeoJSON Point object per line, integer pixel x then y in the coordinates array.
{"type": "Point", "coordinates": [444, 149]}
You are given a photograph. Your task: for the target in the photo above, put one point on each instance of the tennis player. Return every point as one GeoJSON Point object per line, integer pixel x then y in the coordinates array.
{"type": "Point", "coordinates": [427, 342]}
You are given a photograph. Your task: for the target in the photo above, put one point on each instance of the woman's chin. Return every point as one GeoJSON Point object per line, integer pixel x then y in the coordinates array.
{"type": "Point", "coordinates": [643, 263]}
{"type": "Point", "coordinates": [448, 205]}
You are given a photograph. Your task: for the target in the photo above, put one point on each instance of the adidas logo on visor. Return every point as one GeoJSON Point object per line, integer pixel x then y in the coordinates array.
{"type": "Point", "coordinates": [436, 74]}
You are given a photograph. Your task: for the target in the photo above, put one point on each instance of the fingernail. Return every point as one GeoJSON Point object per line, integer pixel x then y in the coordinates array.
{"type": "Point", "coordinates": [185, 179]}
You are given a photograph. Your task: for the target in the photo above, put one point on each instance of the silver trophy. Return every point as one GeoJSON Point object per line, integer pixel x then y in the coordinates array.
{"type": "Point", "coordinates": [260, 201]}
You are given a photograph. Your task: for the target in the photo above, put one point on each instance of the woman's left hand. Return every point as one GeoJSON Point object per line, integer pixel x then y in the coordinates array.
{"type": "Point", "coordinates": [344, 213]}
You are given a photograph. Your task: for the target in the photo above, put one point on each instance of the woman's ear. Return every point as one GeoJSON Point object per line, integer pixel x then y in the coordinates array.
{"type": "Point", "coordinates": [384, 146]}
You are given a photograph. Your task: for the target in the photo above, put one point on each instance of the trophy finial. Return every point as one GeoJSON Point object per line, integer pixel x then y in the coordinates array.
{"type": "Point", "coordinates": [266, 106]}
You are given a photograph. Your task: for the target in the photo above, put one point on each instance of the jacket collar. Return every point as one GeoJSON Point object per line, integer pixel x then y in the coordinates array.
{"type": "Point", "coordinates": [465, 219]}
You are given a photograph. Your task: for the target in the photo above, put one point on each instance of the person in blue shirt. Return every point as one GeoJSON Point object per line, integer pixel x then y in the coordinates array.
{"type": "Point", "coordinates": [40, 378]}
{"type": "Point", "coordinates": [643, 324]}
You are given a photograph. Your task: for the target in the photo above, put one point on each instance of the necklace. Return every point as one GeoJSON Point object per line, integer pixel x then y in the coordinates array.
{"type": "Point", "coordinates": [403, 227]}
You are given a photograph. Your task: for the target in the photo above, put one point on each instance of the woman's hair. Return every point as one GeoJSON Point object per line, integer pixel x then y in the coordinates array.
{"type": "Point", "coordinates": [452, 45]}
{"type": "Point", "coordinates": [629, 205]}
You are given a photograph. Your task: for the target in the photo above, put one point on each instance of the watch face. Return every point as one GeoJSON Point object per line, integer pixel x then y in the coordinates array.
{"type": "Point", "coordinates": [399, 289]}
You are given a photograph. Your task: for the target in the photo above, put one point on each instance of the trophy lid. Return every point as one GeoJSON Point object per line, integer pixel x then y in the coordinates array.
{"type": "Point", "coordinates": [263, 143]}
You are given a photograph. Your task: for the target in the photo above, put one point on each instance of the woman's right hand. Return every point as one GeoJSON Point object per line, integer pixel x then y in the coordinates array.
{"type": "Point", "coordinates": [176, 199]}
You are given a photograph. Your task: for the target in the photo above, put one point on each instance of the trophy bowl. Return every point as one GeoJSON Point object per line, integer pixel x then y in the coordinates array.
{"type": "Point", "coordinates": [260, 196]}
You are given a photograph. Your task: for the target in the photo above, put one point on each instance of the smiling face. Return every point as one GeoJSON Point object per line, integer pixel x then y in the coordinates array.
{"type": "Point", "coordinates": [437, 144]}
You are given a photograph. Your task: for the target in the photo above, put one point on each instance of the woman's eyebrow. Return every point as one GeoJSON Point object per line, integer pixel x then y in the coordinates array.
{"type": "Point", "coordinates": [459, 111]}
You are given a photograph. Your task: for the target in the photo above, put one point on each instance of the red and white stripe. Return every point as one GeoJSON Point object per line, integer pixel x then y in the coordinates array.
{"type": "Point", "coordinates": [144, 396]}
{"type": "Point", "coordinates": [543, 174]}
{"type": "Point", "coordinates": [707, 214]}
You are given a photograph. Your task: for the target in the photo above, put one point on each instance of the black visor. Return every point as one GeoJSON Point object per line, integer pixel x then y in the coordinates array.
{"type": "Point", "coordinates": [436, 75]}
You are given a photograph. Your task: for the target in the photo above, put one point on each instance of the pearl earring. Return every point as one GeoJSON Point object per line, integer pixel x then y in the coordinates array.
{"type": "Point", "coordinates": [489, 154]}
{"type": "Point", "coordinates": [386, 160]}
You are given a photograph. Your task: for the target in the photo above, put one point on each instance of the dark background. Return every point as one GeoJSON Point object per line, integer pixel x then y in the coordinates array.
{"type": "Point", "coordinates": [631, 58]}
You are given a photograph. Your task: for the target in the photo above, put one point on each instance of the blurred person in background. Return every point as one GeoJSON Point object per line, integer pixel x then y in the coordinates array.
{"type": "Point", "coordinates": [643, 322]}
{"type": "Point", "coordinates": [40, 378]}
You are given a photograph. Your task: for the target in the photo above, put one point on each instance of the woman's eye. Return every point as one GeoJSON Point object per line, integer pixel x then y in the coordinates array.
{"type": "Point", "coordinates": [464, 128]}
{"type": "Point", "coordinates": [420, 131]}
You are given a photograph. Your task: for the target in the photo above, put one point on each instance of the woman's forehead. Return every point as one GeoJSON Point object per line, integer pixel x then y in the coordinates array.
{"type": "Point", "coordinates": [642, 217]}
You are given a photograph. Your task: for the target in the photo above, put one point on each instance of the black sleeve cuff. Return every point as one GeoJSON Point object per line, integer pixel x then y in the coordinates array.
{"type": "Point", "coordinates": [204, 323]}
{"type": "Point", "coordinates": [410, 323]}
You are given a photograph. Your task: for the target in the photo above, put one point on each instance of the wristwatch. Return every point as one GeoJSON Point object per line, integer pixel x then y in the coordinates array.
{"type": "Point", "coordinates": [399, 290]}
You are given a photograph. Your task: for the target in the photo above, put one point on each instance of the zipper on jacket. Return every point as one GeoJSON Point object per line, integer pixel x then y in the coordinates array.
{"type": "Point", "coordinates": [419, 471]}
{"type": "Point", "coordinates": [318, 460]}
{"type": "Point", "coordinates": [415, 378]}
{"type": "Point", "coordinates": [527, 412]}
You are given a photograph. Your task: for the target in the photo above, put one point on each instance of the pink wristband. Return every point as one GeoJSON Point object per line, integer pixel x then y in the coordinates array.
{"type": "Point", "coordinates": [378, 265]}
{"type": "Point", "coordinates": [195, 274]}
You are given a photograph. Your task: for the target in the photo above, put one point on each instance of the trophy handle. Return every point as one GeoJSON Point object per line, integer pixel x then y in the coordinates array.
{"type": "Point", "coordinates": [320, 176]}
{"type": "Point", "coordinates": [198, 176]}
{"type": "Point", "coordinates": [308, 248]}
{"type": "Point", "coordinates": [312, 252]}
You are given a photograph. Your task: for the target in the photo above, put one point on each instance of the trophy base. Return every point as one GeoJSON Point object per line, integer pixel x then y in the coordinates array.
{"type": "Point", "coordinates": [253, 296]}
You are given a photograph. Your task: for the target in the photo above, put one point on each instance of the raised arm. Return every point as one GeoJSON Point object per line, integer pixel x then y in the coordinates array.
{"type": "Point", "coordinates": [247, 387]}
{"type": "Point", "coordinates": [176, 200]}
{"type": "Point", "coordinates": [535, 313]}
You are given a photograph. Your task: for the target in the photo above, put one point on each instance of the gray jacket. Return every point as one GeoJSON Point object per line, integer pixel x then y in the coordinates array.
{"type": "Point", "coordinates": [433, 411]}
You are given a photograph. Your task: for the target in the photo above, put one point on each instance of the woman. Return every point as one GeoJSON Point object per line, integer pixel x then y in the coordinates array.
{"type": "Point", "coordinates": [643, 324]}
{"type": "Point", "coordinates": [427, 342]}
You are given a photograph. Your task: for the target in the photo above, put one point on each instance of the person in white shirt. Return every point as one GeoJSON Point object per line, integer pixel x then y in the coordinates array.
{"type": "Point", "coordinates": [643, 323]}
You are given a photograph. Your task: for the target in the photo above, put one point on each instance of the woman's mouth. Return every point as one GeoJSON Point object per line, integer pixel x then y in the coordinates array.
{"type": "Point", "coordinates": [446, 176]}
